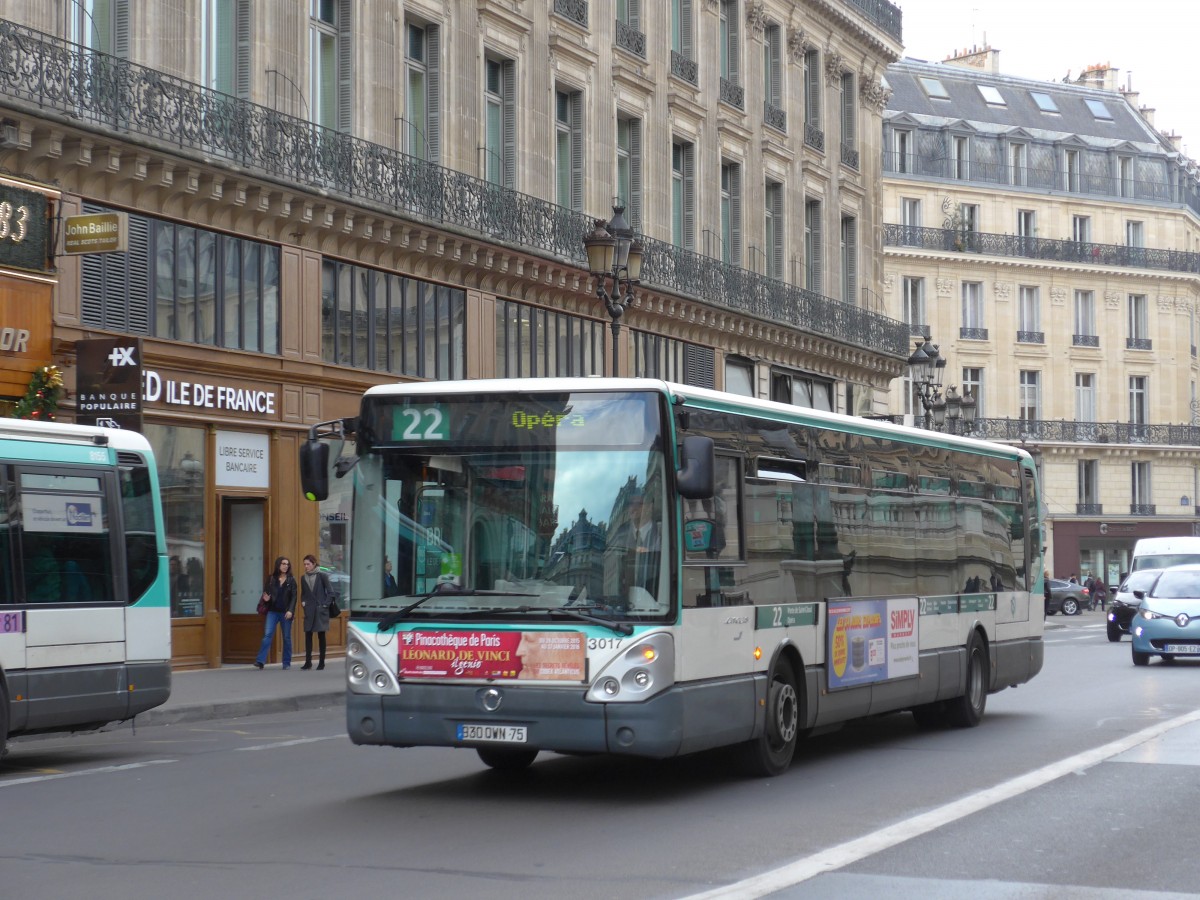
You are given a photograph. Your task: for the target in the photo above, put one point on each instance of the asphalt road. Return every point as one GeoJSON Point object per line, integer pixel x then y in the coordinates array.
{"type": "Point", "coordinates": [1080, 784]}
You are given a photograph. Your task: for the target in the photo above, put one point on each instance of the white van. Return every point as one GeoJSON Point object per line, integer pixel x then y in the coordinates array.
{"type": "Point", "coordinates": [1159, 553]}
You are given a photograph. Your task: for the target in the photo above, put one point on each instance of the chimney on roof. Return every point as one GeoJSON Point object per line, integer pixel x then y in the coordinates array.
{"type": "Point", "coordinates": [982, 58]}
{"type": "Point", "coordinates": [1101, 75]}
{"type": "Point", "coordinates": [1147, 114]}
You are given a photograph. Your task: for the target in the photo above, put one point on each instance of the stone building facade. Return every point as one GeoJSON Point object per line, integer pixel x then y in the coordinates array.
{"type": "Point", "coordinates": [326, 195]}
{"type": "Point", "coordinates": [1047, 238]}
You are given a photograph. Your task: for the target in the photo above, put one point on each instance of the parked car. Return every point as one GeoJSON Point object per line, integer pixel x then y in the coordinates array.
{"type": "Point", "coordinates": [1124, 604]}
{"type": "Point", "coordinates": [1067, 597]}
{"type": "Point", "coordinates": [1167, 622]}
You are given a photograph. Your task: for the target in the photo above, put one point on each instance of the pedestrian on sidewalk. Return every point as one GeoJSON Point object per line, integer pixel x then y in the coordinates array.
{"type": "Point", "coordinates": [1100, 592]}
{"type": "Point", "coordinates": [280, 594]}
{"type": "Point", "coordinates": [316, 593]}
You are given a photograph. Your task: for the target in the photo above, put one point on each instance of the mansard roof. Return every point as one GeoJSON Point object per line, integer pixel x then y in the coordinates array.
{"type": "Point", "coordinates": [963, 100]}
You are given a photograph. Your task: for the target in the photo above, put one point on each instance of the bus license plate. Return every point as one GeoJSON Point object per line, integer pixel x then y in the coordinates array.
{"type": "Point", "coordinates": [1183, 648]}
{"type": "Point", "coordinates": [498, 734]}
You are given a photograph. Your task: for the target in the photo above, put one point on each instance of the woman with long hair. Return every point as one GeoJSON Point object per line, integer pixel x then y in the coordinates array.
{"type": "Point", "coordinates": [280, 594]}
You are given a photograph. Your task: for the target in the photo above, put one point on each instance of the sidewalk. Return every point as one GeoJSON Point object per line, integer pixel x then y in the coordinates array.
{"type": "Point", "coordinates": [234, 691]}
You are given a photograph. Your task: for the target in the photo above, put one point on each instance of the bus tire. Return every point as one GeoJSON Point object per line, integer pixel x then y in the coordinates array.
{"type": "Point", "coordinates": [506, 759]}
{"type": "Point", "coordinates": [930, 715]}
{"type": "Point", "coordinates": [771, 752]}
{"type": "Point", "coordinates": [967, 710]}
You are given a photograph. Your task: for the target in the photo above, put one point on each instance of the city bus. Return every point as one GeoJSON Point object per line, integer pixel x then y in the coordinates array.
{"type": "Point", "coordinates": [85, 629]}
{"type": "Point", "coordinates": [628, 566]}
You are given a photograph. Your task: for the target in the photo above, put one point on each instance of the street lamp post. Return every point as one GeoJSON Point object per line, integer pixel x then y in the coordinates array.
{"type": "Point", "coordinates": [613, 254]}
{"type": "Point", "coordinates": [927, 364]}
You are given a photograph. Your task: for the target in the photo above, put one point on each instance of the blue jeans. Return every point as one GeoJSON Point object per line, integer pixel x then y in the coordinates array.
{"type": "Point", "coordinates": [273, 619]}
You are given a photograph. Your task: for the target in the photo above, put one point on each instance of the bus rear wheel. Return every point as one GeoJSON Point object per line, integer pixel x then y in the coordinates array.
{"type": "Point", "coordinates": [967, 710]}
{"type": "Point", "coordinates": [505, 759]}
{"type": "Point", "coordinates": [771, 752]}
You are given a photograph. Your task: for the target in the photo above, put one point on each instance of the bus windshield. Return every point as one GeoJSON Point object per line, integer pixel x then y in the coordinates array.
{"type": "Point", "coordinates": [511, 507]}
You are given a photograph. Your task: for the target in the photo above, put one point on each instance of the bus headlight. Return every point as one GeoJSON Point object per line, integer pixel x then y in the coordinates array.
{"type": "Point", "coordinates": [640, 671]}
{"type": "Point", "coordinates": [368, 670]}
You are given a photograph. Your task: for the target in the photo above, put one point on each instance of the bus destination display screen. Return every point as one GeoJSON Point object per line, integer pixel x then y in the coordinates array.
{"type": "Point", "coordinates": [621, 420]}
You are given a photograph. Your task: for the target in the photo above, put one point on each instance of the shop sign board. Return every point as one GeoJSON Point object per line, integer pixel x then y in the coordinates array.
{"type": "Point", "coordinates": [24, 227]}
{"type": "Point", "coordinates": [106, 232]}
{"type": "Point", "coordinates": [108, 382]}
{"type": "Point", "coordinates": [189, 391]}
{"type": "Point", "coordinates": [243, 460]}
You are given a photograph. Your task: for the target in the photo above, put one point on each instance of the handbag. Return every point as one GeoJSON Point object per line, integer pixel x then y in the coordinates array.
{"type": "Point", "coordinates": [262, 606]}
{"type": "Point", "coordinates": [334, 609]}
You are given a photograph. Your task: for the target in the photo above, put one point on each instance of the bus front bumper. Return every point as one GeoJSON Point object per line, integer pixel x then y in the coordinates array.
{"type": "Point", "coordinates": [430, 715]}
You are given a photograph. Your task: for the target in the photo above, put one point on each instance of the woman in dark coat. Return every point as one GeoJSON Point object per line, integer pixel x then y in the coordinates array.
{"type": "Point", "coordinates": [280, 594]}
{"type": "Point", "coordinates": [315, 594]}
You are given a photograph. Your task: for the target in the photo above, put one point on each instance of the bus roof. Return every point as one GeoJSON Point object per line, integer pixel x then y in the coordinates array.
{"type": "Point", "coordinates": [70, 433]}
{"type": "Point", "coordinates": [705, 398]}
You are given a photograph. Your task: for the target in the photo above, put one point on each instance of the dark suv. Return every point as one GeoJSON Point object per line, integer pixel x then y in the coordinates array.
{"type": "Point", "coordinates": [1067, 597]}
{"type": "Point", "coordinates": [1124, 604]}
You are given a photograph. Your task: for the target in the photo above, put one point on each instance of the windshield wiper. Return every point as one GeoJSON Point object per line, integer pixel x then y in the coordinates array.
{"type": "Point", "coordinates": [622, 628]}
{"type": "Point", "coordinates": [392, 618]}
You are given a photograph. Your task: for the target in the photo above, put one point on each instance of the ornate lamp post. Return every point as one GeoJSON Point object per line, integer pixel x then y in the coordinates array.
{"type": "Point", "coordinates": [927, 365]}
{"type": "Point", "coordinates": [613, 254]}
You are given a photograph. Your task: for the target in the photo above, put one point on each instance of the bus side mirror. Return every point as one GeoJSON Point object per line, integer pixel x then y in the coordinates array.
{"type": "Point", "coordinates": [696, 479]}
{"type": "Point", "coordinates": [314, 469]}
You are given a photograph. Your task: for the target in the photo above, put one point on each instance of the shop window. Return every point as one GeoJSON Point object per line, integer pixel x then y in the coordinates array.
{"type": "Point", "coordinates": [179, 454]}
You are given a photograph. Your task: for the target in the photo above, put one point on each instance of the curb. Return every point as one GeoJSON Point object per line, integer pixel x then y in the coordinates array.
{"type": "Point", "coordinates": [237, 709]}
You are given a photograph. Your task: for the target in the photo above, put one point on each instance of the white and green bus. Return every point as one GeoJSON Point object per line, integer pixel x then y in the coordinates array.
{"type": "Point", "coordinates": [85, 629]}
{"type": "Point", "coordinates": [634, 567]}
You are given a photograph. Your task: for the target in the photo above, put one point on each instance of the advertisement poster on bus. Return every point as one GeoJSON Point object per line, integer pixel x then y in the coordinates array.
{"type": "Point", "coordinates": [871, 640]}
{"type": "Point", "coordinates": [507, 655]}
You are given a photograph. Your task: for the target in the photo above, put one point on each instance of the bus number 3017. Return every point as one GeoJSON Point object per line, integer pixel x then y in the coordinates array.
{"type": "Point", "coordinates": [604, 643]}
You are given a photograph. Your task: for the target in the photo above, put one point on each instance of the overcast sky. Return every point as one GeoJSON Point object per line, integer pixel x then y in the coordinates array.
{"type": "Point", "coordinates": [1152, 41]}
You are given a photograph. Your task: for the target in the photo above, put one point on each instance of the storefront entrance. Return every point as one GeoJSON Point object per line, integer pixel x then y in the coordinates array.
{"type": "Point", "coordinates": [244, 565]}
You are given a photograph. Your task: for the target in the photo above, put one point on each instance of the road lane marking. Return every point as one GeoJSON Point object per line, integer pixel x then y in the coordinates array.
{"type": "Point", "coordinates": [853, 851]}
{"type": "Point", "coordinates": [278, 744]}
{"type": "Point", "coordinates": [99, 771]}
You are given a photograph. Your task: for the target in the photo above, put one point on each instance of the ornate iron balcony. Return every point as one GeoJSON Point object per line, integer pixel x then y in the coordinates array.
{"type": "Point", "coordinates": [884, 14]}
{"type": "Point", "coordinates": [814, 137]}
{"type": "Point", "coordinates": [1089, 509]}
{"type": "Point", "coordinates": [575, 10]}
{"type": "Point", "coordinates": [1085, 340]}
{"type": "Point", "coordinates": [1031, 337]}
{"type": "Point", "coordinates": [1088, 253]}
{"type": "Point", "coordinates": [1068, 431]}
{"type": "Point", "coordinates": [924, 331]}
{"type": "Point", "coordinates": [629, 38]}
{"type": "Point", "coordinates": [774, 117]}
{"type": "Point", "coordinates": [849, 156]}
{"type": "Point", "coordinates": [684, 68]}
{"type": "Point", "coordinates": [45, 76]}
{"type": "Point", "coordinates": [973, 334]}
{"type": "Point", "coordinates": [733, 94]}
{"type": "Point", "coordinates": [1138, 344]}
{"type": "Point", "coordinates": [1046, 178]}
{"type": "Point", "coordinates": [1142, 509]}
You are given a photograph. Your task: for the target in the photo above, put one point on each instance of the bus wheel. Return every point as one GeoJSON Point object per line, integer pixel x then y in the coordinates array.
{"type": "Point", "coordinates": [967, 710]}
{"type": "Point", "coordinates": [771, 752]}
{"type": "Point", "coordinates": [504, 759]}
{"type": "Point", "coordinates": [930, 715]}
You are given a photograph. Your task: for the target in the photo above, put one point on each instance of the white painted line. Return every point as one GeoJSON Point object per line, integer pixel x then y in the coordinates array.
{"type": "Point", "coordinates": [860, 848]}
{"type": "Point", "coordinates": [100, 771]}
{"type": "Point", "coordinates": [277, 744]}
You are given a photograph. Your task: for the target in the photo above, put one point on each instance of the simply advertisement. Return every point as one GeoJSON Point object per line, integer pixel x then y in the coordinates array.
{"type": "Point", "coordinates": [871, 640]}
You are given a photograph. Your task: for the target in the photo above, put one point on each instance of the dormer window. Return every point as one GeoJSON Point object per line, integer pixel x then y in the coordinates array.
{"type": "Point", "coordinates": [991, 95]}
{"type": "Point", "coordinates": [1044, 102]}
{"type": "Point", "coordinates": [934, 88]}
{"type": "Point", "coordinates": [1099, 110]}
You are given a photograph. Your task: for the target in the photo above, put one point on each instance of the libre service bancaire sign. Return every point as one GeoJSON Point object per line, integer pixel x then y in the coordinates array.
{"type": "Point", "coordinates": [243, 460]}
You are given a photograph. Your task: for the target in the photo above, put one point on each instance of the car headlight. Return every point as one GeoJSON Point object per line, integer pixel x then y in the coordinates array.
{"type": "Point", "coordinates": [1151, 614]}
